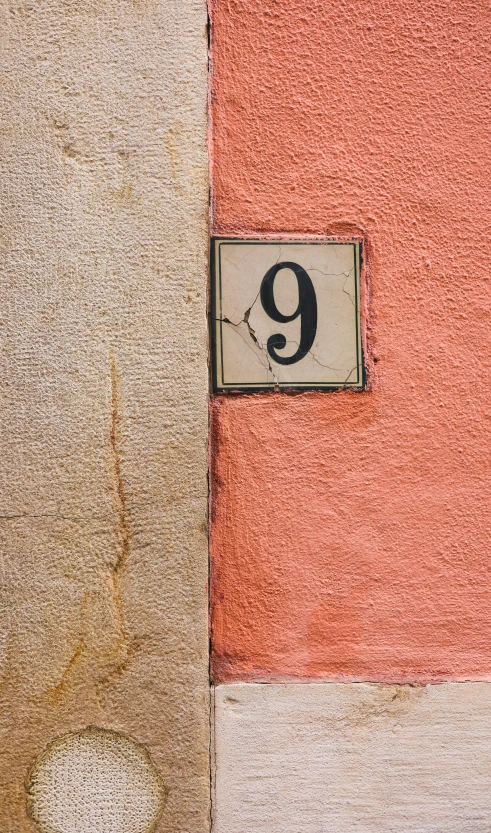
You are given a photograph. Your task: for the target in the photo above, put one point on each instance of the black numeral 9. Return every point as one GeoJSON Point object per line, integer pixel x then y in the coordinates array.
{"type": "Point", "coordinates": [306, 309]}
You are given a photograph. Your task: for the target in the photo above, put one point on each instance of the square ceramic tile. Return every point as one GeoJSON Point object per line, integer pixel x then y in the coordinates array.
{"type": "Point", "coordinates": [286, 314]}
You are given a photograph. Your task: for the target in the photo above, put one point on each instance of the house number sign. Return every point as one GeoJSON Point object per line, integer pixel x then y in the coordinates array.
{"type": "Point", "coordinates": [285, 314]}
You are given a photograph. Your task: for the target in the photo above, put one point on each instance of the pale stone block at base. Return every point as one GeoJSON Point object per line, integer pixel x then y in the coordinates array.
{"type": "Point", "coordinates": [316, 758]}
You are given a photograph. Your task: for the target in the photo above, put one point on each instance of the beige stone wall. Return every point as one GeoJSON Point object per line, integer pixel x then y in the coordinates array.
{"type": "Point", "coordinates": [352, 757]}
{"type": "Point", "coordinates": [103, 250]}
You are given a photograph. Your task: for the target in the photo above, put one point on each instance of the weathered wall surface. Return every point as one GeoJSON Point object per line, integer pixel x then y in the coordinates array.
{"type": "Point", "coordinates": [103, 458]}
{"type": "Point", "coordinates": [351, 532]}
{"type": "Point", "coordinates": [377, 758]}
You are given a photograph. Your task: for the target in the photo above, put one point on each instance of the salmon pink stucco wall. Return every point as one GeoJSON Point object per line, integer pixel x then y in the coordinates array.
{"type": "Point", "coordinates": [351, 532]}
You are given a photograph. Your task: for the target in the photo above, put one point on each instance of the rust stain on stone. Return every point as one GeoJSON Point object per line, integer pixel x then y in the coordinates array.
{"type": "Point", "coordinates": [59, 689]}
{"type": "Point", "coordinates": [121, 506]}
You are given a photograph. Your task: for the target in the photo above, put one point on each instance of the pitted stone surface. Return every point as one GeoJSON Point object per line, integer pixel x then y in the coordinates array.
{"type": "Point", "coordinates": [95, 781]}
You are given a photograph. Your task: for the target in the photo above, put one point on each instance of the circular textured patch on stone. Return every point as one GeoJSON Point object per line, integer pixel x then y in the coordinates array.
{"type": "Point", "coordinates": [95, 781]}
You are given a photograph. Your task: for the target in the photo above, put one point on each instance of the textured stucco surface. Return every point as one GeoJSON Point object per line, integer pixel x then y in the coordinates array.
{"type": "Point", "coordinates": [351, 532]}
{"type": "Point", "coordinates": [103, 245]}
{"type": "Point", "coordinates": [318, 757]}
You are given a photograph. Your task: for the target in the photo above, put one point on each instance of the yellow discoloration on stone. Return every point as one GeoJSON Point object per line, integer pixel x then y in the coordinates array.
{"type": "Point", "coordinates": [58, 691]}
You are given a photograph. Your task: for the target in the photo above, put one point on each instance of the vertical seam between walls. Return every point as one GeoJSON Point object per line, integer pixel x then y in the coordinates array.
{"type": "Point", "coordinates": [211, 753]}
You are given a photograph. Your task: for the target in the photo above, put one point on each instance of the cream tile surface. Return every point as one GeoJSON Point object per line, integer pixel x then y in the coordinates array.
{"type": "Point", "coordinates": [317, 289]}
